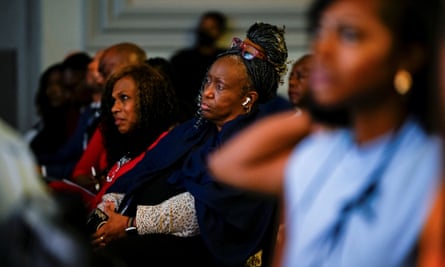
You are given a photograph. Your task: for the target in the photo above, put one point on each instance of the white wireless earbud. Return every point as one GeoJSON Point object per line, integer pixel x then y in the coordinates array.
{"type": "Point", "coordinates": [246, 102]}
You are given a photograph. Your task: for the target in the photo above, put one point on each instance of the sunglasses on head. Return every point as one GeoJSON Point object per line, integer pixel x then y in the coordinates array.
{"type": "Point", "coordinates": [248, 51]}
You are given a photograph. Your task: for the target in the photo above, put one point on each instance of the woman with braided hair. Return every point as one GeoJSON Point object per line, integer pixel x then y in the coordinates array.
{"type": "Point", "coordinates": [170, 202]}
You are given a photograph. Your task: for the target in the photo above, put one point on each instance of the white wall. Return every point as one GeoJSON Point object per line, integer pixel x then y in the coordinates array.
{"type": "Point", "coordinates": [19, 46]}
{"type": "Point", "coordinates": [159, 26]}
{"type": "Point", "coordinates": [62, 29]}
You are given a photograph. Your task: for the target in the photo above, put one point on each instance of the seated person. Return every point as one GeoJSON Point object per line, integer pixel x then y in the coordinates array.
{"type": "Point", "coordinates": [192, 63]}
{"type": "Point", "coordinates": [298, 82]}
{"type": "Point", "coordinates": [93, 159]}
{"type": "Point", "coordinates": [60, 164]}
{"type": "Point", "coordinates": [171, 203]}
{"type": "Point", "coordinates": [138, 108]}
{"type": "Point", "coordinates": [111, 60]}
{"type": "Point", "coordinates": [52, 102]}
{"type": "Point", "coordinates": [30, 219]}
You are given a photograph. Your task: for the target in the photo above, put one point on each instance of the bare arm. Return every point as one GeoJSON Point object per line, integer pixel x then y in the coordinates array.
{"type": "Point", "coordinates": [255, 158]}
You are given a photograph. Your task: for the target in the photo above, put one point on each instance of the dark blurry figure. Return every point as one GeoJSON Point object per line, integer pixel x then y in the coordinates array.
{"type": "Point", "coordinates": [33, 229]}
{"type": "Point", "coordinates": [432, 241]}
{"type": "Point", "coordinates": [52, 102]}
{"type": "Point", "coordinates": [60, 164]}
{"type": "Point", "coordinates": [75, 68]}
{"type": "Point", "coordinates": [299, 80]}
{"type": "Point", "coordinates": [166, 67]}
{"type": "Point", "coordinates": [59, 100]}
{"type": "Point", "coordinates": [191, 63]}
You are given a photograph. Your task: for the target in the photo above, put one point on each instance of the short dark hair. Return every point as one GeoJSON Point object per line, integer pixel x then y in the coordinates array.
{"type": "Point", "coordinates": [219, 17]}
{"type": "Point", "coordinates": [77, 61]}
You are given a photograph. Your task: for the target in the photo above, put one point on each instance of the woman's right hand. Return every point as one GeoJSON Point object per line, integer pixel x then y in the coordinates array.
{"type": "Point", "coordinates": [88, 182]}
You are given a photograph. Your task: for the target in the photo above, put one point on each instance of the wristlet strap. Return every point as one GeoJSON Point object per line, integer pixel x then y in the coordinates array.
{"type": "Point", "coordinates": [131, 229]}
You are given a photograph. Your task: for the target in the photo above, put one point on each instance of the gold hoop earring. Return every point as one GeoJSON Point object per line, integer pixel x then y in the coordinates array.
{"type": "Point", "coordinates": [403, 82]}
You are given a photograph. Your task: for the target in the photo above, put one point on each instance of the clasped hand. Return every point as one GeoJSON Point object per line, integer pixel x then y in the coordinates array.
{"type": "Point", "coordinates": [113, 229]}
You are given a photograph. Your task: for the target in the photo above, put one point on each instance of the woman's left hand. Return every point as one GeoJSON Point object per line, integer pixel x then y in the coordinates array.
{"type": "Point", "coordinates": [113, 229]}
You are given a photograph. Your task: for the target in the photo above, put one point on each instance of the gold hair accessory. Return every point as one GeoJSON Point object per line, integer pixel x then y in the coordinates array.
{"type": "Point", "coordinates": [403, 82]}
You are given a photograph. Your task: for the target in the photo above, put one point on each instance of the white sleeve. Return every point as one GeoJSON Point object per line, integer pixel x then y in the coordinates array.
{"type": "Point", "coordinates": [116, 198]}
{"type": "Point", "coordinates": [176, 216]}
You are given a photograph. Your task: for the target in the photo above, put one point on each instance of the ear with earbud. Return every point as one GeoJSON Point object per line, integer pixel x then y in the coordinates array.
{"type": "Point", "coordinates": [246, 101]}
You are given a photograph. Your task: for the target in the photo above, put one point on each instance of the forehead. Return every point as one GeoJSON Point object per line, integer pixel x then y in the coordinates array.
{"type": "Point", "coordinates": [55, 74]}
{"type": "Point", "coordinates": [125, 83]}
{"type": "Point", "coordinates": [208, 22]}
{"type": "Point", "coordinates": [110, 63]}
{"type": "Point", "coordinates": [303, 63]}
{"type": "Point", "coordinates": [110, 58]}
{"type": "Point", "coordinates": [353, 9]}
{"type": "Point", "coordinates": [360, 16]}
{"type": "Point", "coordinates": [229, 67]}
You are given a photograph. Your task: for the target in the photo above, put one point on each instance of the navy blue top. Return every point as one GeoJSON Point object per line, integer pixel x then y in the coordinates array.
{"type": "Point", "coordinates": [234, 224]}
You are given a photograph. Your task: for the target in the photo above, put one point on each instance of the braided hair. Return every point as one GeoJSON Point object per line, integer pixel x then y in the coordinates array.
{"type": "Point", "coordinates": [271, 39]}
{"type": "Point", "coordinates": [265, 75]}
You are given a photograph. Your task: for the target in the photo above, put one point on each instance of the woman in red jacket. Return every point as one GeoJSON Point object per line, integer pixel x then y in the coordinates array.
{"type": "Point", "coordinates": [138, 108]}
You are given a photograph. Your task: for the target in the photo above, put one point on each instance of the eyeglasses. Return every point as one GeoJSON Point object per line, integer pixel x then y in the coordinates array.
{"type": "Point", "coordinates": [248, 51]}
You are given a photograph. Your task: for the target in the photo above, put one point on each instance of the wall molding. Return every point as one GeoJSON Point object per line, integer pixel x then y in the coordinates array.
{"type": "Point", "coordinates": [163, 26]}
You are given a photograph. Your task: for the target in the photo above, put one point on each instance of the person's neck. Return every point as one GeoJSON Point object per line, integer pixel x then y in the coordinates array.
{"type": "Point", "coordinates": [207, 49]}
{"type": "Point", "coordinates": [369, 124]}
{"type": "Point", "coordinates": [96, 97]}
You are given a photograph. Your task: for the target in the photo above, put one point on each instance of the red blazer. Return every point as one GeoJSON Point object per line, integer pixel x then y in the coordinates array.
{"type": "Point", "coordinates": [93, 156]}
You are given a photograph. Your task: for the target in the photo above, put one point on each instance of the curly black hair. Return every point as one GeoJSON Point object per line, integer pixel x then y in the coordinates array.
{"type": "Point", "coordinates": [157, 112]}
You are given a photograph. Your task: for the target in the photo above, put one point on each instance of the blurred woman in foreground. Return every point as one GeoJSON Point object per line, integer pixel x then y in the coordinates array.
{"type": "Point", "coordinates": [360, 196]}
